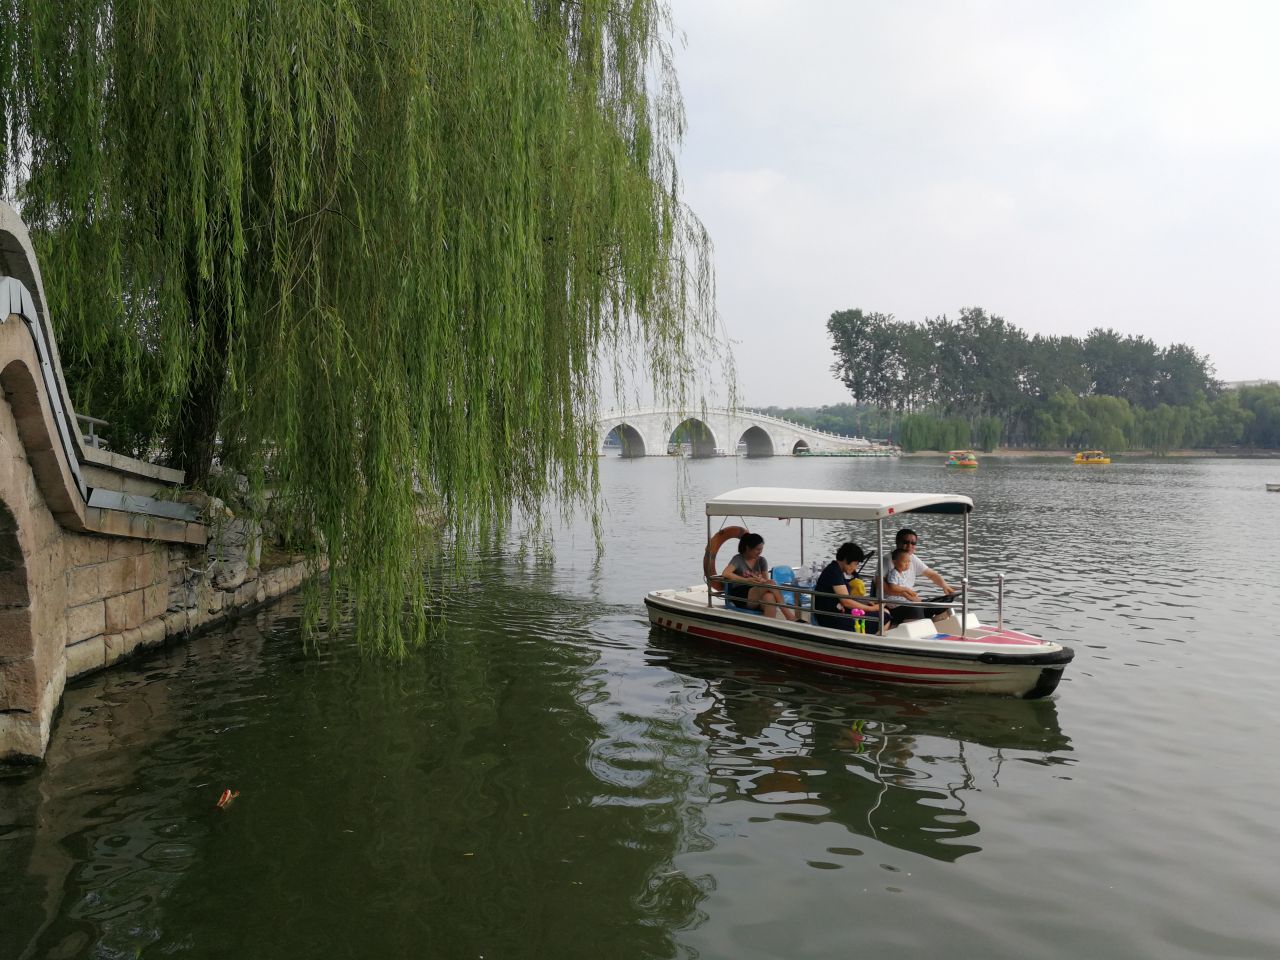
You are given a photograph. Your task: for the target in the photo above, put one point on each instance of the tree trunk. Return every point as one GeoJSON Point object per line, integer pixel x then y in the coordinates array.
{"type": "Point", "coordinates": [193, 439]}
{"type": "Point", "coordinates": [194, 436]}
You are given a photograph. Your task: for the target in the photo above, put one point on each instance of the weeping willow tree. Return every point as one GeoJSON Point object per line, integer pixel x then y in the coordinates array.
{"type": "Point", "coordinates": [361, 249]}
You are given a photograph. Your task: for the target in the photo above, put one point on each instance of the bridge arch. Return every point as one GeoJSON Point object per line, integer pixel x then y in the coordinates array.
{"type": "Point", "coordinates": [758, 441]}
{"type": "Point", "coordinates": [19, 679]}
{"type": "Point", "coordinates": [721, 431]}
{"type": "Point", "coordinates": [697, 433]}
{"type": "Point", "coordinates": [630, 439]}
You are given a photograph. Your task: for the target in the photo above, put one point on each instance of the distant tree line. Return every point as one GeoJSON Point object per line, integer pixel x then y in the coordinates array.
{"type": "Point", "coordinates": [980, 381]}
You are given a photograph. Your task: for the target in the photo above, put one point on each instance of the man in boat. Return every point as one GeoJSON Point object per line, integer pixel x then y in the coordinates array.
{"type": "Point", "coordinates": [903, 582]}
{"type": "Point", "coordinates": [833, 597]}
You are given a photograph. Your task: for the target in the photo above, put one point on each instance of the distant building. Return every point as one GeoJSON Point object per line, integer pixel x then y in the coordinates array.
{"type": "Point", "coordinates": [1240, 384]}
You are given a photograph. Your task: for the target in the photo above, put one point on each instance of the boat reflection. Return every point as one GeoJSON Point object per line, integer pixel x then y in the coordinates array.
{"type": "Point", "coordinates": [900, 769]}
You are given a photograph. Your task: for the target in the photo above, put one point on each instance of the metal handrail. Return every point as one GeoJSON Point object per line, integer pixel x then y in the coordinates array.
{"type": "Point", "coordinates": [91, 437]}
{"type": "Point", "coordinates": [806, 591]}
{"type": "Point", "coordinates": [966, 591]}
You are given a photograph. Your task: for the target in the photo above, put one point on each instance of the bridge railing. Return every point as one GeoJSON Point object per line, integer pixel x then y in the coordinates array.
{"type": "Point", "coordinates": [743, 413]}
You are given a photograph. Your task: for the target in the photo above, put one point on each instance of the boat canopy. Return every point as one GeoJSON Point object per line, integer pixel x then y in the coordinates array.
{"type": "Point", "coordinates": [831, 504]}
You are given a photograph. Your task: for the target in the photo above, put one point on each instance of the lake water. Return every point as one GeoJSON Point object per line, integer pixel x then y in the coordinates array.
{"type": "Point", "coordinates": [557, 779]}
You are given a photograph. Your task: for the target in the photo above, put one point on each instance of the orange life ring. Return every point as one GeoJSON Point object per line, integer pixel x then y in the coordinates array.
{"type": "Point", "coordinates": [721, 536]}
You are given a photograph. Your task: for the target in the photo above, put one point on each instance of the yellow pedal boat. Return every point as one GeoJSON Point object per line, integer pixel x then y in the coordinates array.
{"type": "Point", "coordinates": [1091, 457]}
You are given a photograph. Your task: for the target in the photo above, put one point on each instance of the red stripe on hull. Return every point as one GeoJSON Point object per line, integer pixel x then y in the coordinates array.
{"type": "Point", "coordinates": [889, 671]}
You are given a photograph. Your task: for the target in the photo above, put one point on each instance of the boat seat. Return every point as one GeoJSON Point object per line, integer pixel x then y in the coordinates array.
{"type": "Point", "coordinates": [783, 575]}
{"type": "Point", "coordinates": [741, 607]}
{"type": "Point", "coordinates": [952, 626]}
{"type": "Point", "coordinates": [916, 629]}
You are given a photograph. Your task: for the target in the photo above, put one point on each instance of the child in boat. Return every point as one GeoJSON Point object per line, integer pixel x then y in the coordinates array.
{"type": "Point", "coordinates": [900, 576]}
{"type": "Point", "coordinates": [901, 560]}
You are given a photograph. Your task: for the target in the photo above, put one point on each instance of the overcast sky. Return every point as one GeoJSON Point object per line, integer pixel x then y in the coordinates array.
{"type": "Point", "coordinates": [1064, 165]}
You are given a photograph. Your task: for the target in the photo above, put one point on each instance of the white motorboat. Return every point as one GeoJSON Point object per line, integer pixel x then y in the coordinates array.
{"type": "Point", "coordinates": [1273, 487]}
{"type": "Point", "coordinates": [954, 650]}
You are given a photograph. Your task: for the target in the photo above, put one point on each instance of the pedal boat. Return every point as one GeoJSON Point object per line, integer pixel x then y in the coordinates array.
{"type": "Point", "coordinates": [962, 458]}
{"type": "Point", "coordinates": [1091, 458]}
{"type": "Point", "coordinates": [957, 652]}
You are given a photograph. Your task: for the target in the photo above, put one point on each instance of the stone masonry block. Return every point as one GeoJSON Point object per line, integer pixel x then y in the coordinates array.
{"type": "Point", "coordinates": [114, 523]}
{"type": "Point", "coordinates": [155, 600]}
{"type": "Point", "coordinates": [160, 564]}
{"type": "Point", "coordinates": [120, 645]}
{"type": "Point", "coordinates": [102, 477]}
{"type": "Point", "coordinates": [176, 623]}
{"type": "Point", "coordinates": [84, 584]}
{"type": "Point", "coordinates": [119, 576]}
{"type": "Point", "coordinates": [124, 611]}
{"type": "Point", "coordinates": [158, 528]}
{"type": "Point", "coordinates": [14, 590]}
{"type": "Point", "coordinates": [122, 547]}
{"type": "Point", "coordinates": [41, 527]}
{"type": "Point", "coordinates": [153, 632]}
{"type": "Point", "coordinates": [37, 433]}
{"type": "Point", "coordinates": [16, 639]}
{"type": "Point", "coordinates": [86, 620]}
{"type": "Point", "coordinates": [142, 570]}
{"type": "Point", "coordinates": [19, 685]}
{"type": "Point", "coordinates": [86, 549]}
{"type": "Point", "coordinates": [86, 656]}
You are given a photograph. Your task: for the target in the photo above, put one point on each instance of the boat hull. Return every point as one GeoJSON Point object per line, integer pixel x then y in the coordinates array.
{"type": "Point", "coordinates": [984, 661]}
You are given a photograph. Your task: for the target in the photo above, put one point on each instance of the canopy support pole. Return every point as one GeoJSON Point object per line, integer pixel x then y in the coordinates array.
{"type": "Point", "coordinates": [708, 545]}
{"type": "Point", "coordinates": [964, 581]}
{"type": "Point", "coordinates": [880, 569]}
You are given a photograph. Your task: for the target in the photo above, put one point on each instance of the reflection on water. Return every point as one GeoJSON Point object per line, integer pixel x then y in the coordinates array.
{"type": "Point", "coordinates": [884, 766]}
{"type": "Point", "coordinates": [555, 778]}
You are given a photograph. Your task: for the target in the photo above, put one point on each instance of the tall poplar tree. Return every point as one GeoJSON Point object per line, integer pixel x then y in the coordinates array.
{"type": "Point", "coordinates": [359, 249]}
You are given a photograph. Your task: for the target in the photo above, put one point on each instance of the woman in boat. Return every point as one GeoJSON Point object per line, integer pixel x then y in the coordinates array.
{"type": "Point", "coordinates": [833, 597]}
{"type": "Point", "coordinates": [747, 583]}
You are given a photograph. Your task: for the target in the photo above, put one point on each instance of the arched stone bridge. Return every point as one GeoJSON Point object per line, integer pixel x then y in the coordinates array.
{"type": "Point", "coordinates": [718, 431]}
{"type": "Point", "coordinates": [101, 555]}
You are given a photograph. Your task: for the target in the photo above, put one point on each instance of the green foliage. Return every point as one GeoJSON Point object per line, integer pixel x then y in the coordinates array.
{"type": "Point", "coordinates": [1105, 424]}
{"type": "Point", "coordinates": [846, 419]}
{"type": "Point", "coordinates": [922, 431]}
{"type": "Point", "coordinates": [1261, 423]}
{"type": "Point", "coordinates": [1163, 428]}
{"type": "Point", "coordinates": [376, 246]}
{"type": "Point", "coordinates": [1105, 391]}
{"type": "Point", "coordinates": [988, 433]}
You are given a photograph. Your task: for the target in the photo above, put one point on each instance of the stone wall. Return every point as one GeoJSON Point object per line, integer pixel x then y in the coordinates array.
{"type": "Point", "coordinates": [127, 595]}
{"type": "Point", "coordinates": [72, 602]}
{"type": "Point", "coordinates": [99, 558]}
